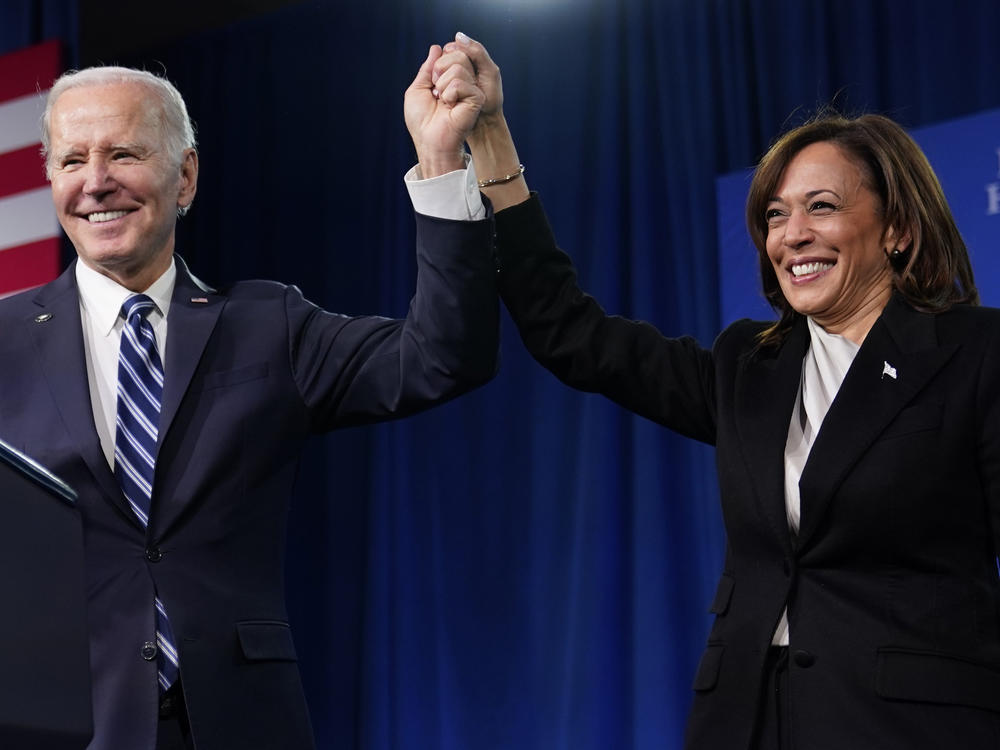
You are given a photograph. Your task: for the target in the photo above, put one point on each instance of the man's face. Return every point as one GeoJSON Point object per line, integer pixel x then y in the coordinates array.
{"type": "Point", "coordinates": [116, 190]}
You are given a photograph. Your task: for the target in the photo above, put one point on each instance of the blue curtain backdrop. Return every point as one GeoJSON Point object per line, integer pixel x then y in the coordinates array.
{"type": "Point", "coordinates": [25, 22]}
{"type": "Point", "coordinates": [526, 567]}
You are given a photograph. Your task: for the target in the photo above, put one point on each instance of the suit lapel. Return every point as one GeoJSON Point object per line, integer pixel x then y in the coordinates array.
{"type": "Point", "coordinates": [58, 340]}
{"type": "Point", "coordinates": [897, 358]}
{"type": "Point", "coordinates": [194, 311]}
{"type": "Point", "coordinates": [765, 395]}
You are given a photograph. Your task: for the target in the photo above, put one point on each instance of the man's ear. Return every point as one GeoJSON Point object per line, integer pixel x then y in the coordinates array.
{"type": "Point", "coordinates": [188, 178]}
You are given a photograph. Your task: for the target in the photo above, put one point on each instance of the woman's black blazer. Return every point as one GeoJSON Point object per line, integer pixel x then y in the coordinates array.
{"type": "Point", "coordinates": [891, 584]}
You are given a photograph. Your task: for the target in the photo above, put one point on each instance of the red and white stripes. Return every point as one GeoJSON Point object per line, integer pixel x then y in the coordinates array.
{"type": "Point", "coordinates": [29, 230]}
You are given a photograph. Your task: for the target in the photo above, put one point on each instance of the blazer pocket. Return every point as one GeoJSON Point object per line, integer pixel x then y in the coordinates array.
{"type": "Point", "coordinates": [234, 377]}
{"type": "Point", "coordinates": [266, 640]}
{"type": "Point", "coordinates": [917, 418]}
{"type": "Point", "coordinates": [707, 674]}
{"type": "Point", "coordinates": [934, 677]}
{"type": "Point", "coordinates": [723, 593]}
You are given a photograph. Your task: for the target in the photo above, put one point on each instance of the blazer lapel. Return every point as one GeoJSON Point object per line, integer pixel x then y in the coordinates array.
{"type": "Point", "coordinates": [58, 340]}
{"type": "Point", "coordinates": [765, 395]}
{"type": "Point", "coordinates": [194, 311]}
{"type": "Point", "coordinates": [898, 357]}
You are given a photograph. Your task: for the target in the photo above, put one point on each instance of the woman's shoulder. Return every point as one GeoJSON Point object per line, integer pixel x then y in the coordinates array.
{"type": "Point", "coordinates": [745, 329]}
{"type": "Point", "coordinates": [969, 326]}
{"type": "Point", "coordinates": [740, 337]}
{"type": "Point", "coordinates": [747, 326]}
{"type": "Point", "coordinates": [972, 316]}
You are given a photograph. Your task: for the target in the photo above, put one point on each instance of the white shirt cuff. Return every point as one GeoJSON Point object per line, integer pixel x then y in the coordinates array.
{"type": "Point", "coordinates": [454, 195]}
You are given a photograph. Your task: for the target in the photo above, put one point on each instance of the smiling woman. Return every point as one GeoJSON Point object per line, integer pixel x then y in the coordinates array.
{"type": "Point", "coordinates": [825, 241]}
{"type": "Point", "coordinates": [887, 180]}
{"type": "Point", "coordinates": [857, 440]}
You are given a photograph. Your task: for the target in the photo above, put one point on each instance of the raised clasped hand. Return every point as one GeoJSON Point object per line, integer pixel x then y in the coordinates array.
{"type": "Point", "coordinates": [485, 73]}
{"type": "Point", "coordinates": [441, 107]}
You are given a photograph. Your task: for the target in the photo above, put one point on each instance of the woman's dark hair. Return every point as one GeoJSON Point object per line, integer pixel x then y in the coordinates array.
{"type": "Point", "coordinates": [934, 272]}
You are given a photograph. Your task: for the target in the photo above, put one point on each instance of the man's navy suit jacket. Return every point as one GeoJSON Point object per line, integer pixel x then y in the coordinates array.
{"type": "Point", "coordinates": [250, 372]}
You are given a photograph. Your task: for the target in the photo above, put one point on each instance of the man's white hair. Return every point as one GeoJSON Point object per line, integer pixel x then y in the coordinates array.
{"type": "Point", "coordinates": [175, 124]}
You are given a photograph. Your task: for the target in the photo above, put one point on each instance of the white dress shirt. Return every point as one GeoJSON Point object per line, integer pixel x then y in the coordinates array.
{"type": "Point", "coordinates": [454, 195]}
{"type": "Point", "coordinates": [101, 301]}
{"type": "Point", "coordinates": [823, 369]}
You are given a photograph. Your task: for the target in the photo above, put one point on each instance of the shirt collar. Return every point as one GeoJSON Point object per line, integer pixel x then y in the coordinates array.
{"type": "Point", "coordinates": [831, 346]}
{"type": "Point", "coordinates": [102, 297]}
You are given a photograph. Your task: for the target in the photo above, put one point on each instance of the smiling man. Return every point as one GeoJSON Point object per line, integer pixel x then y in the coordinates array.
{"type": "Point", "coordinates": [144, 388]}
{"type": "Point", "coordinates": [117, 182]}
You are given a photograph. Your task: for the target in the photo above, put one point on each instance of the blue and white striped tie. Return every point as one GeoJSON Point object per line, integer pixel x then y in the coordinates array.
{"type": "Point", "coordinates": [140, 388]}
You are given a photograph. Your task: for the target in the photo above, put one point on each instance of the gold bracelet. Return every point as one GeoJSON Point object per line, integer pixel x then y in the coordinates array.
{"type": "Point", "coordinates": [502, 180]}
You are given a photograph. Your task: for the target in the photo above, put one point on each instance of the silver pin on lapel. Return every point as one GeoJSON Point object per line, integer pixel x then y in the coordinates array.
{"type": "Point", "coordinates": [889, 370]}
{"type": "Point", "coordinates": [43, 317]}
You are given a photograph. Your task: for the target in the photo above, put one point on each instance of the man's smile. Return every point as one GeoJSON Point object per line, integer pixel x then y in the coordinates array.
{"type": "Point", "coordinates": [99, 217]}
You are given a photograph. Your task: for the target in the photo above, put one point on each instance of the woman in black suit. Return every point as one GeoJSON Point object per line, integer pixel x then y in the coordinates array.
{"type": "Point", "coordinates": [857, 439]}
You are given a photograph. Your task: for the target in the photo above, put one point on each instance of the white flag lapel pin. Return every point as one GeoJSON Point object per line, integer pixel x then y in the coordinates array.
{"type": "Point", "coordinates": [889, 370]}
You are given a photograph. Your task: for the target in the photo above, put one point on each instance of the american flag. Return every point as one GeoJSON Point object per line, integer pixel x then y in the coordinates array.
{"type": "Point", "coordinates": [29, 230]}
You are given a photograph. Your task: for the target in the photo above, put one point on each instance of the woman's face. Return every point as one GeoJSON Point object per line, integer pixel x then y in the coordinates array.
{"type": "Point", "coordinates": [826, 241]}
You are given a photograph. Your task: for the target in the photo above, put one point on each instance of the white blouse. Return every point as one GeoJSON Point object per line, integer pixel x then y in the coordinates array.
{"type": "Point", "coordinates": [823, 370]}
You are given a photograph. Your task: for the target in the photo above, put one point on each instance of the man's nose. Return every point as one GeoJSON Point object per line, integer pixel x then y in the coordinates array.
{"type": "Point", "coordinates": [99, 178]}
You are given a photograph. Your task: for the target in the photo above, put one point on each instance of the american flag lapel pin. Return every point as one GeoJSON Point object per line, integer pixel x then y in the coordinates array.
{"type": "Point", "coordinates": [889, 370]}
{"type": "Point", "coordinates": [204, 301]}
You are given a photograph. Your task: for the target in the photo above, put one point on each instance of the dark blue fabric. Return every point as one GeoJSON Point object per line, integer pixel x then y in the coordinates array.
{"type": "Point", "coordinates": [25, 22]}
{"type": "Point", "coordinates": [527, 567]}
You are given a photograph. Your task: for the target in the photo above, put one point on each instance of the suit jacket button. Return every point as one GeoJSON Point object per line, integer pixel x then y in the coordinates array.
{"type": "Point", "coordinates": [804, 659]}
{"type": "Point", "coordinates": [148, 651]}
{"type": "Point", "coordinates": [153, 554]}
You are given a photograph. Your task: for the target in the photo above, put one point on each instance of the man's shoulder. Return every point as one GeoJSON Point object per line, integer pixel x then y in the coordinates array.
{"type": "Point", "coordinates": [20, 303]}
{"type": "Point", "coordinates": [248, 289]}
{"type": "Point", "coordinates": [36, 299]}
{"type": "Point", "coordinates": [19, 299]}
{"type": "Point", "coordinates": [257, 290]}
{"type": "Point", "coordinates": [254, 286]}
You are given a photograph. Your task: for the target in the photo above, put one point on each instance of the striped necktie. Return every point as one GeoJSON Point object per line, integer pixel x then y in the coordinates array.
{"type": "Point", "coordinates": [140, 388]}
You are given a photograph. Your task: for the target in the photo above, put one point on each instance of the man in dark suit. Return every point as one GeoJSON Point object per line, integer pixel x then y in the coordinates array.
{"type": "Point", "coordinates": [180, 422]}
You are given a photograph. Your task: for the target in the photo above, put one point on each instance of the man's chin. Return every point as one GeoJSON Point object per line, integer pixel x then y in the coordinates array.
{"type": "Point", "coordinates": [129, 266]}
{"type": "Point", "coordinates": [108, 257]}
{"type": "Point", "coordinates": [114, 262]}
